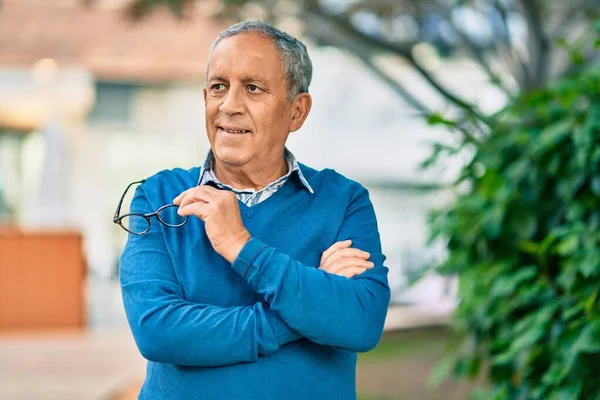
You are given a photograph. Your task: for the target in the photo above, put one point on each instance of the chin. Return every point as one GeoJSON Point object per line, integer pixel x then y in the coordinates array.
{"type": "Point", "coordinates": [230, 156]}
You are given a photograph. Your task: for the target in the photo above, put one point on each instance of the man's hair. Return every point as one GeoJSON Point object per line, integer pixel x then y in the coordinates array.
{"type": "Point", "coordinates": [294, 56]}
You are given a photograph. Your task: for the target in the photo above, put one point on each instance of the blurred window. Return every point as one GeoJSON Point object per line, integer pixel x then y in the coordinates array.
{"type": "Point", "coordinates": [114, 103]}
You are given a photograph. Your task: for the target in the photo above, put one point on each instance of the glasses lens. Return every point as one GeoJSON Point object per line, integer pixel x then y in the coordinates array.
{"type": "Point", "coordinates": [169, 216]}
{"type": "Point", "coordinates": [135, 223]}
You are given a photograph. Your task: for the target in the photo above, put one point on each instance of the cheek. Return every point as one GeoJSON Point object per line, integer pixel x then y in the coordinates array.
{"type": "Point", "coordinates": [211, 110]}
{"type": "Point", "coordinates": [267, 118]}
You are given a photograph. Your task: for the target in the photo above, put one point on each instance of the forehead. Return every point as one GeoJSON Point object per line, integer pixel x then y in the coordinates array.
{"type": "Point", "coordinates": [246, 54]}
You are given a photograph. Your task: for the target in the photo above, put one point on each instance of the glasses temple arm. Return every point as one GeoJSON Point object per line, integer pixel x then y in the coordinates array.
{"type": "Point", "coordinates": [116, 217]}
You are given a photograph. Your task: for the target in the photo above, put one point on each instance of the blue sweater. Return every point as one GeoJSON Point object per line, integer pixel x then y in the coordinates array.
{"type": "Point", "coordinates": [269, 326]}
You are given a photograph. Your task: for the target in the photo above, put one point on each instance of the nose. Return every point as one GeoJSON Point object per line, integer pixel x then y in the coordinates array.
{"type": "Point", "coordinates": [233, 103]}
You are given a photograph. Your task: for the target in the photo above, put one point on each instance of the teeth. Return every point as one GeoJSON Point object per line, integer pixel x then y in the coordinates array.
{"type": "Point", "coordinates": [230, 131]}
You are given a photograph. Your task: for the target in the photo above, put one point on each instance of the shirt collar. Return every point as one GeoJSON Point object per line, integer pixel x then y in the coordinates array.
{"type": "Point", "coordinates": [207, 175]}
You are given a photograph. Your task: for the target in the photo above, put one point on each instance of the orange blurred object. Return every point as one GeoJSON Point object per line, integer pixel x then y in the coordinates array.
{"type": "Point", "coordinates": [42, 276]}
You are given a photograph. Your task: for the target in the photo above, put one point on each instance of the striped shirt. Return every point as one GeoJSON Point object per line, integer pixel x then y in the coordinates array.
{"type": "Point", "coordinates": [252, 197]}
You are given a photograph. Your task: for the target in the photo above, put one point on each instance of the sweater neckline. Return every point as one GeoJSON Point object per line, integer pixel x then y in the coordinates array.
{"type": "Point", "coordinates": [272, 200]}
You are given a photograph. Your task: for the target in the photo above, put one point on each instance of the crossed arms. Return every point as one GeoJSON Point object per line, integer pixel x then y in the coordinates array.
{"type": "Point", "coordinates": [299, 300]}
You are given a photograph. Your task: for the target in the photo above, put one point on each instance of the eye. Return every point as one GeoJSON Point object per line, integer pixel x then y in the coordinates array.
{"type": "Point", "coordinates": [215, 87]}
{"type": "Point", "coordinates": [253, 88]}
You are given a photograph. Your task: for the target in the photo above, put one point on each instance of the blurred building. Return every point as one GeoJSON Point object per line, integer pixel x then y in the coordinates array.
{"type": "Point", "coordinates": [90, 101]}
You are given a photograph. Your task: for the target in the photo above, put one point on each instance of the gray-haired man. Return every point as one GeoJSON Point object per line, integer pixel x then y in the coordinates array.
{"type": "Point", "coordinates": [258, 294]}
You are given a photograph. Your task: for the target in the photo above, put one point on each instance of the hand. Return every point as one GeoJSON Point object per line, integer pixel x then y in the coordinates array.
{"type": "Point", "coordinates": [220, 212]}
{"type": "Point", "coordinates": [342, 260]}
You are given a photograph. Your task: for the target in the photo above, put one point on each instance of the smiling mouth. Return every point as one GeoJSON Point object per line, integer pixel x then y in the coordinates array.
{"type": "Point", "coordinates": [234, 131]}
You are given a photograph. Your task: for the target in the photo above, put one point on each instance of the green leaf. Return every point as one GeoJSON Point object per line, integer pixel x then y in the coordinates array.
{"type": "Point", "coordinates": [554, 165]}
{"type": "Point", "coordinates": [589, 339]}
{"type": "Point", "coordinates": [506, 284]}
{"type": "Point", "coordinates": [438, 119]}
{"type": "Point", "coordinates": [571, 312]}
{"type": "Point", "coordinates": [553, 135]}
{"type": "Point", "coordinates": [557, 372]}
{"type": "Point", "coordinates": [441, 372]}
{"type": "Point", "coordinates": [590, 266]}
{"type": "Point", "coordinates": [591, 301]}
{"type": "Point", "coordinates": [569, 391]}
{"type": "Point", "coordinates": [577, 57]}
{"type": "Point", "coordinates": [438, 150]}
{"type": "Point", "coordinates": [527, 226]}
{"type": "Point", "coordinates": [596, 184]}
{"type": "Point", "coordinates": [547, 243]}
{"type": "Point", "coordinates": [568, 245]}
{"type": "Point", "coordinates": [504, 358]}
{"type": "Point", "coordinates": [561, 42]}
{"type": "Point", "coordinates": [530, 247]}
{"type": "Point", "coordinates": [528, 338]}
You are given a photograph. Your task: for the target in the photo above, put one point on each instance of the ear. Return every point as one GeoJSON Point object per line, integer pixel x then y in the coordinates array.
{"type": "Point", "coordinates": [300, 108]}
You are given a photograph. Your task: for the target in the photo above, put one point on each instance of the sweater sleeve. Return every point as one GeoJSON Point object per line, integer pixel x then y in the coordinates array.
{"type": "Point", "coordinates": [325, 308]}
{"type": "Point", "coordinates": [169, 329]}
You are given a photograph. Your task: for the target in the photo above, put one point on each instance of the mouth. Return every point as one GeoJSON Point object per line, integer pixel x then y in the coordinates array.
{"type": "Point", "coordinates": [234, 130]}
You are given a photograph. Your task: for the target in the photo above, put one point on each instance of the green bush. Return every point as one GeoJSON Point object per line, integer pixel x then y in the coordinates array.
{"type": "Point", "coordinates": [523, 236]}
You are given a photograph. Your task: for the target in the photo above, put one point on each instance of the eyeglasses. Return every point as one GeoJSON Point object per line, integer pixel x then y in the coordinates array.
{"type": "Point", "coordinates": [139, 224]}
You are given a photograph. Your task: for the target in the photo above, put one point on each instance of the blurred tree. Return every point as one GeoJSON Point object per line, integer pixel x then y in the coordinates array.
{"type": "Point", "coordinates": [514, 41]}
{"type": "Point", "coordinates": [524, 239]}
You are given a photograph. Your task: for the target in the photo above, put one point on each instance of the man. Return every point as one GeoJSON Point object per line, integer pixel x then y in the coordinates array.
{"type": "Point", "coordinates": [260, 294]}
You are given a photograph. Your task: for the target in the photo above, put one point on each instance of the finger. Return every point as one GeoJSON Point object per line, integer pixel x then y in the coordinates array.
{"type": "Point", "coordinates": [350, 272]}
{"type": "Point", "coordinates": [199, 209]}
{"type": "Point", "coordinates": [348, 262]}
{"type": "Point", "coordinates": [198, 194]}
{"type": "Point", "coordinates": [177, 199]}
{"type": "Point", "coordinates": [334, 247]}
{"type": "Point", "coordinates": [189, 199]}
{"type": "Point", "coordinates": [208, 190]}
{"type": "Point", "coordinates": [344, 253]}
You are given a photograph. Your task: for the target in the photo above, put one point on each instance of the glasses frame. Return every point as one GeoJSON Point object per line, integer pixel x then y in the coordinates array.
{"type": "Point", "coordinates": [118, 219]}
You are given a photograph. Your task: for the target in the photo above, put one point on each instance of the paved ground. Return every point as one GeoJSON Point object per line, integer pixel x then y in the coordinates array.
{"type": "Point", "coordinates": [405, 379]}
{"type": "Point", "coordinates": [399, 370]}
{"type": "Point", "coordinates": [107, 366]}
{"type": "Point", "coordinates": [64, 366]}
{"type": "Point", "coordinates": [103, 363]}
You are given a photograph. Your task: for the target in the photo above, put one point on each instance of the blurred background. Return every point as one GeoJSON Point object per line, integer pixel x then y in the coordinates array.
{"type": "Point", "coordinates": [96, 94]}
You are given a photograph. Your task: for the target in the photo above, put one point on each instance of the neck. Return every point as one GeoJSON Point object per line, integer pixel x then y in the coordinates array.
{"type": "Point", "coordinates": [245, 177]}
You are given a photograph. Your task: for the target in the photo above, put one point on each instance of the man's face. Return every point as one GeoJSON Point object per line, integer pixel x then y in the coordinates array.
{"type": "Point", "coordinates": [248, 114]}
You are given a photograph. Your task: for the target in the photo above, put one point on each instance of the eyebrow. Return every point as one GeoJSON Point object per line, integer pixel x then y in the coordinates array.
{"type": "Point", "coordinates": [216, 78]}
{"type": "Point", "coordinates": [250, 78]}
{"type": "Point", "coordinates": [245, 79]}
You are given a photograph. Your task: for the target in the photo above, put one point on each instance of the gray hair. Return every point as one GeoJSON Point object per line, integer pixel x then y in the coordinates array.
{"type": "Point", "coordinates": [294, 56]}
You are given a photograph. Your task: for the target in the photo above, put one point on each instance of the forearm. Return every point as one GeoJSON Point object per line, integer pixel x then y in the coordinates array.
{"type": "Point", "coordinates": [326, 308]}
{"type": "Point", "coordinates": [168, 329]}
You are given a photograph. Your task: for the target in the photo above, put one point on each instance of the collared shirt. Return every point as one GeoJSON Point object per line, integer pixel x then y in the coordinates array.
{"type": "Point", "coordinates": [251, 197]}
